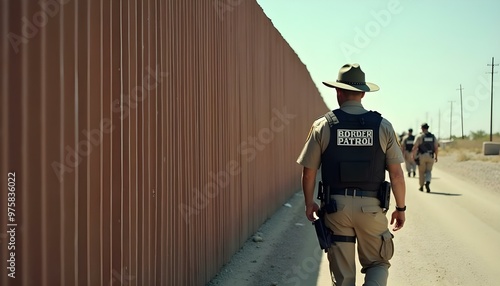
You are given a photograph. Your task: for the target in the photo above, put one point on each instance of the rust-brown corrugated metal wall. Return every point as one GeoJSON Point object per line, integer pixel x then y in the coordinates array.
{"type": "Point", "coordinates": [142, 142]}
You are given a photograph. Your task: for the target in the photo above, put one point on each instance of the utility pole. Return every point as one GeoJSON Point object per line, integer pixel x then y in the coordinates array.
{"type": "Point", "coordinates": [439, 124]}
{"type": "Point", "coordinates": [451, 116]}
{"type": "Point", "coordinates": [461, 111]}
{"type": "Point", "coordinates": [491, 111]}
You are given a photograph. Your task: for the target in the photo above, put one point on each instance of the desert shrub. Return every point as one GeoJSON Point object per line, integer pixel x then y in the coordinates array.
{"type": "Point", "coordinates": [462, 156]}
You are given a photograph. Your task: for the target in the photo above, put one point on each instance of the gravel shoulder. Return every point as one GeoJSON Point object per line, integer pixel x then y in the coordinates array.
{"type": "Point", "coordinates": [483, 173]}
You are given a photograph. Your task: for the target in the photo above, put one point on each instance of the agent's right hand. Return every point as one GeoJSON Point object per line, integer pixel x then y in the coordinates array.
{"type": "Point", "coordinates": [311, 210]}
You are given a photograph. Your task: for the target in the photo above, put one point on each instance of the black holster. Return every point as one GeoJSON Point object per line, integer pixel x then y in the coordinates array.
{"type": "Point", "coordinates": [384, 195]}
{"type": "Point", "coordinates": [326, 237]}
{"type": "Point", "coordinates": [324, 233]}
{"type": "Point", "coordinates": [417, 160]}
{"type": "Point", "coordinates": [329, 205]}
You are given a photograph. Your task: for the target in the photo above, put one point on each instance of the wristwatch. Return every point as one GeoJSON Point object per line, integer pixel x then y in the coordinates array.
{"type": "Point", "coordinates": [401, 209]}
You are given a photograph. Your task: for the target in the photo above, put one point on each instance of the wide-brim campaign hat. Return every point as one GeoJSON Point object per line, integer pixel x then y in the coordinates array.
{"type": "Point", "coordinates": [351, 77]}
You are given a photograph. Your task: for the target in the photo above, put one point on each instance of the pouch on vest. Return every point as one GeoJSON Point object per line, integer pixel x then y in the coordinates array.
{"type": "Point", "coordinates": [354, 172]}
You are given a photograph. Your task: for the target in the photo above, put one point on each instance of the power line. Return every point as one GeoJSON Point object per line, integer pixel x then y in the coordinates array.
{"type": "Point", "coordinates": [491, 111]}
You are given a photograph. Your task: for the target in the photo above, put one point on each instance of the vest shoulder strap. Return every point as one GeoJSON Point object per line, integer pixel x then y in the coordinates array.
{"type": "Point", "coordinates": [332, 118]}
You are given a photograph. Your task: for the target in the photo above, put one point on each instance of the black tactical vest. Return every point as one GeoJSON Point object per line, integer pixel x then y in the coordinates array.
{"type": "Point", "coordinates": [427, 145]}
{"type": "Point", "coordinates": [353, 157]}
{"type": "Point", "coordinates": [410, 140]}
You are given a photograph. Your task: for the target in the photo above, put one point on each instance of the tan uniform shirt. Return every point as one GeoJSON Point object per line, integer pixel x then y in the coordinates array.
{"type": "Point", "coordinates": [319, 137]}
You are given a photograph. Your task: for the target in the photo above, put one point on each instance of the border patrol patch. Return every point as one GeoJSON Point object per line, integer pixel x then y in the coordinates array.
{"type": "Point", "coordinates": [355, 137]}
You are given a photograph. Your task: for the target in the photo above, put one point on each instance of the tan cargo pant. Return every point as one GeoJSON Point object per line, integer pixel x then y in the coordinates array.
{"type": "Point", "coordinates": [425, 168]}
{"type": "Point", "coordinates": [361, 217]}
{"type": "Point", "coordinates": [410, 164]}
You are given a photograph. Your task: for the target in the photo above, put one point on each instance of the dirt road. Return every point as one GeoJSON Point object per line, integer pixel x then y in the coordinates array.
{"type": "Point", "coordinates": [451, 237]}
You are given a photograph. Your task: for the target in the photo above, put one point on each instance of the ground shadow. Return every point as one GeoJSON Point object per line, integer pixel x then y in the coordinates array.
{"type": "Point", "coordinates": [416, 178]}
{"type": "Point", "coordinates": [444, 194]}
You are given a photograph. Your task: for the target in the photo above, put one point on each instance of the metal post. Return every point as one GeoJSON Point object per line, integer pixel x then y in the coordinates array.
{"type": "Point", "coordinates": [461, 111]}
{"type": "Point", "coordinates": [451, 116]}
{"type": "Point", "coordinates": [439, 124]}
{"type": "Point", "coordinates": [491, 108]}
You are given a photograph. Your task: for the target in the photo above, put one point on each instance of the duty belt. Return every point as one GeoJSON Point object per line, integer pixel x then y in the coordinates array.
{"type": "Point", "coordinates": [354, 192]}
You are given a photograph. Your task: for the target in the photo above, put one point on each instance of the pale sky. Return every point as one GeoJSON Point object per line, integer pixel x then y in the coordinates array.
{"type": "Point", "coordinates": [418, 52]}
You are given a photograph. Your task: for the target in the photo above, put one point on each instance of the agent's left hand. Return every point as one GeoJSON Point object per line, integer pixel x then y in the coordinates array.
{"type": "Point", "coordinates": [399, 218]}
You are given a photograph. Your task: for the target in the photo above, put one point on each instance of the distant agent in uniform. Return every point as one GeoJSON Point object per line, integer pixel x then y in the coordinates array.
{"type": "Point", "coordinates": [402, 136]}
{"type": "Point", "coordinates": [354, 147]}
{"type": "Point", "coordinates": [425, 149]}
{"type": "Point", "coordinates": [406, 148]}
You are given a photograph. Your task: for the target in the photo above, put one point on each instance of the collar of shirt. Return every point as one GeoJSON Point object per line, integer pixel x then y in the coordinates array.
{"type": "Point", "coordinates": [353, 107]}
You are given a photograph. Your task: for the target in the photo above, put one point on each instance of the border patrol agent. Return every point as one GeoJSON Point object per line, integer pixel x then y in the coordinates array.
{"type": "Point", "coordinates": [406, 148]}
{"type": "Point", "coordinates": [426, 150]}
{"type": "Point", "coordinates": [354, 148]}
